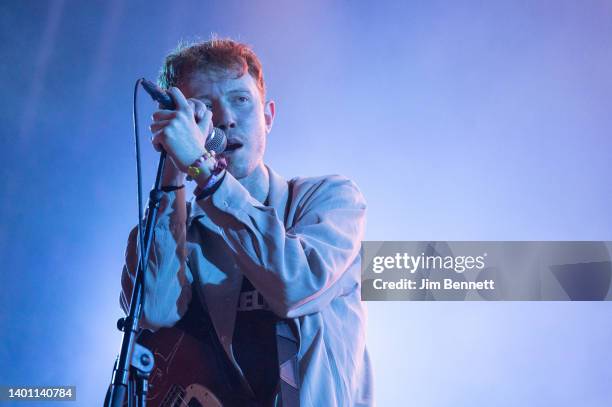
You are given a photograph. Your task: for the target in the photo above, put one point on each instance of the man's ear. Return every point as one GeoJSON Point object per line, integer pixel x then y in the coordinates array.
{"type": "Point", "coordinates": [269, 111]}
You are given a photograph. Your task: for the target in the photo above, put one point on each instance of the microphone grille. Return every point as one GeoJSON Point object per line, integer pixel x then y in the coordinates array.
{"type": "Point", "coordinates": [216, 141]}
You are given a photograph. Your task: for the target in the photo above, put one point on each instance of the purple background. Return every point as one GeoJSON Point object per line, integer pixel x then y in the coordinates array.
{"type": "Point", "coordinates": [459, 120]}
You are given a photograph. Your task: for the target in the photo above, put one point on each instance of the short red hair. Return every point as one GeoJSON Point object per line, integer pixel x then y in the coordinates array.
{"type": "Point", "coordinates": [216, 54]}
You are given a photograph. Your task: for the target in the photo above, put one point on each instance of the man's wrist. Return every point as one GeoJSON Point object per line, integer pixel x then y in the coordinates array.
{"type": "Point", "coordinates": [202, 169]}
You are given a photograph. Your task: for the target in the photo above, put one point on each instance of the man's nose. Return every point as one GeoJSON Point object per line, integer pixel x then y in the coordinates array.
{"type": "Point", "coordinates": [225, 118]}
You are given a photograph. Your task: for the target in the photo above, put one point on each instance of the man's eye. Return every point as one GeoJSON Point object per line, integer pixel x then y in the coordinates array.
{"type": "Point", "coordinates": [209, 106]}
{"type": "Point", "coordinates": [242, 99]}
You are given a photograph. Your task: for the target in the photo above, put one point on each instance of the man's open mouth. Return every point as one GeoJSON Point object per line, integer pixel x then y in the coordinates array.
{"type": "Point", "coordinates": [232, 146]}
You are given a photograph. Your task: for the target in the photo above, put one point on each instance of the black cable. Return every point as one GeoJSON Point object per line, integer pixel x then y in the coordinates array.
{"type": "Point", "coordinates": [138, 170]}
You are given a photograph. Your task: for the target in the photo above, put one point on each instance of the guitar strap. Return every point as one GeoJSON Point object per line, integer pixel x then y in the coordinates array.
{"type": "Point", "coordinates": [287, 345]}
{"type": "Point", "coordinates": [287, 348]}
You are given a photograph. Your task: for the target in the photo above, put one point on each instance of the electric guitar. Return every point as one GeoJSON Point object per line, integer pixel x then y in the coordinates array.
{"type": "Point", "coordinates": [191, 368]}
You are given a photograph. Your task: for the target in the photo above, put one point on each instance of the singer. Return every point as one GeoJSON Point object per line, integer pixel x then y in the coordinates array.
{"type": "Point", "coordinates": [275, 264]}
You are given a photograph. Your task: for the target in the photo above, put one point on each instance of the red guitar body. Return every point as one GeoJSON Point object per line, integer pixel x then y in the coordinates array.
{"type": "Point", "coordinates": [191, 368]}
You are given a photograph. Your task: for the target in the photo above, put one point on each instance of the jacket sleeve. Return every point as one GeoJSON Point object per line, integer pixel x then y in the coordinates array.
{"type": "Point", "coordinates": [167, 287]}
{"type": "Point", "coordinates": [297, 269]}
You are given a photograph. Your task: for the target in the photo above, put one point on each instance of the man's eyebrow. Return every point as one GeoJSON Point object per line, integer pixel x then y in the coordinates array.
{"type": "Point", "coordinates": [236, 90]}
{"type": "Point", "coordinates": [239, 90]}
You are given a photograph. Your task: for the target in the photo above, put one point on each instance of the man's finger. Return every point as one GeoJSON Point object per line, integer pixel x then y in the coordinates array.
{"type": "Point", "coordinates": [158, 125]}
{"type": "Point", "coordinates": [157, 141]}
{"type": "Point", "coordinates": [164, 115]}
{"type": "Point", "coordinates": [179, 99]}
{"type": "Point", "coordinates": [205, 123]}
{"type": "Point", "coordinates": [199, 109]}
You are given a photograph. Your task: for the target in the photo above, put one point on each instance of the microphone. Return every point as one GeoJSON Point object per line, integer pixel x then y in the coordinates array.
{"type": "Point", "coordinates": [216, 140]}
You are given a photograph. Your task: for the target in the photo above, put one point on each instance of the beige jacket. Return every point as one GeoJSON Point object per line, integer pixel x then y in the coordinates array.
{"type": "Point", "coordinates": [302, 253]}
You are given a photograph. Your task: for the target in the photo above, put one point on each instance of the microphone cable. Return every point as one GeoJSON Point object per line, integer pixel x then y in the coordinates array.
{"type": "Point", "coordinates": [138, 167]}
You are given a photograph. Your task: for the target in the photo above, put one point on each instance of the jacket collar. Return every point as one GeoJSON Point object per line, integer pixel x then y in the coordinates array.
{"type": "Point", "coordinates": [278, 197]}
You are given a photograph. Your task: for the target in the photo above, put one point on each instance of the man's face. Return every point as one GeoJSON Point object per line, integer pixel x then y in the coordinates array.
{"type": "Point", "coordinates": [238, 109]}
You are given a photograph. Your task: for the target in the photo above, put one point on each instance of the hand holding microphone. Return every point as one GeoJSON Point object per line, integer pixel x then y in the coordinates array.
{"type": "Point", "coordinates": [180, 128]}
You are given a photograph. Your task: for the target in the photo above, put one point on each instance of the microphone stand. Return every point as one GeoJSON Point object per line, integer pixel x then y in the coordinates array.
{"type": "Point", "coordinates": [130, 324]}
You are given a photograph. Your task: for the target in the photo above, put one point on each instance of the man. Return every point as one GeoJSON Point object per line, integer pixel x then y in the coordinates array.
{"type": "Point", "coordinates": [272, 261]}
